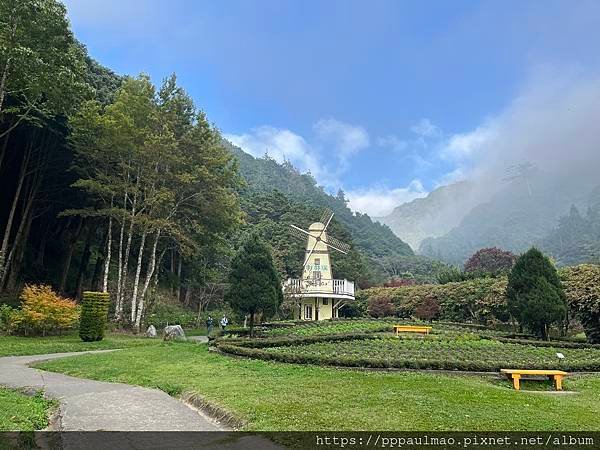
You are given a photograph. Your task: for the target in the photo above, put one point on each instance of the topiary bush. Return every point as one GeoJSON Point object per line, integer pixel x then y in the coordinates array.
{"type": "Point", "coordinates": [94, 316]}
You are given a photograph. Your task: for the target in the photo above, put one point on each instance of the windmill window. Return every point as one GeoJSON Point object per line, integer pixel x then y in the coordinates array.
{"type": "Point", "coordinates": [325, 301]}
{"type": "Point", "coordinates": [316, 275]}
{"type": "Point", "coordinates": [317, 261]}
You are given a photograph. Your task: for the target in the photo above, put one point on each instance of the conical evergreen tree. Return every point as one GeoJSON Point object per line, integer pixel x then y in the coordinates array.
{"type": "Point", "coordinates": [535, 294]}
{"type": "Point", "coordinates": [254, 285]}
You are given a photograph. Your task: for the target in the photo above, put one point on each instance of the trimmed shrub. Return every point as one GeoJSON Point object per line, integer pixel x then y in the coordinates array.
{"type": "Point", "coordinates": [381, 306]}
{"type": "Point", "coordinates": [493, 260]}
{"type": "Point", "coordinates": [479, 300]}
{"type": "Point", "coordinates": [94, 315]}
{"type": "Point", "coordinates": [582, 289]}
{"type": "Point", "coordinates": [429, 309]}
{"type": "Point", "coordinates": [43, 312]}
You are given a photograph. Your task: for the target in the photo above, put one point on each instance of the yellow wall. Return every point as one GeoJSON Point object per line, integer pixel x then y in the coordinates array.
{"type": "Point", "coordinates": [325, 311]}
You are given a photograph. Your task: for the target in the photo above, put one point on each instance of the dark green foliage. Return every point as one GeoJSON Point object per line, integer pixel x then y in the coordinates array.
{"type": "Point", "coordinates": [576, 239]}
{"type": "Point", "coordinates": [167, 314]}
{"type": "Point", "coordinates": [94, 315]}
{"type": "Point", "coordinates": [535, 294]}
{"type": "Point", "coordinates": [266, 175]}
{"type": "Point", "coordinates": [492, 260]}
{"type": "Point", "coordinates": [254, 285]}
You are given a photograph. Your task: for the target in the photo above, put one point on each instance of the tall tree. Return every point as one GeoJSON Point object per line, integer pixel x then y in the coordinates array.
{"type": "Point", "coordinates": [535, 294]}
{"type": "Point", "coordinates": [254, 285]}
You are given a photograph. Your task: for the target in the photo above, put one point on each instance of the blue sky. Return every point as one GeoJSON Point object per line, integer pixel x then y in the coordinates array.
{"type": "Point", "coordinates": [385, 99]}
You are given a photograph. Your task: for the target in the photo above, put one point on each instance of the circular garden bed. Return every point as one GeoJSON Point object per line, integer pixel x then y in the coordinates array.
{"type": "Point", "coordinates": [371, 344]}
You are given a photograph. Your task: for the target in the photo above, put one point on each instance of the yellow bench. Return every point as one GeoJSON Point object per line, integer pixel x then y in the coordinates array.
{"type": "Point", "coordinates": [516, 374]}
{"type": "Point", "coordinates": [411, 329]}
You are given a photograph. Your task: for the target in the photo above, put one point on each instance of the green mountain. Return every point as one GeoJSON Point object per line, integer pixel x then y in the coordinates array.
{"type": "Point", "coordinates": [525, 210]}
{"type": "Point", "coordinates": [576, 239]}
{"type": "Point", "coordinates": [266, 175]}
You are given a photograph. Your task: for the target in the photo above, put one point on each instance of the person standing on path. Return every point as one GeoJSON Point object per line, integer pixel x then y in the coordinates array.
{"type": "Point", "coordinates": [209, 325]}
{"type": "Point", "coordinates": [224, 322]}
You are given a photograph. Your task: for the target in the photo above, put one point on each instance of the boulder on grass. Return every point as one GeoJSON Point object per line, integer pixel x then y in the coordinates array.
{"type": "Point", "coordinates": [172, 332]}
{"type": "Point", "coordinates": [151, 331]}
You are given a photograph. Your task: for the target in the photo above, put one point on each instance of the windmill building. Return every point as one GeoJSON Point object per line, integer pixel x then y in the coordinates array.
{"type": "Point", "coordinates": [318, 295]}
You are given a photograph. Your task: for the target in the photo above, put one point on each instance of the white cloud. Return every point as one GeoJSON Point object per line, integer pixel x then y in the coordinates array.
{"type": "Point", "coordinates": [393, 142]}
{"type": "Point", "coordinates": [346, 139]}
{"type": "Point", "coordinates": [280, 144]}
{"type": "Point", "coordinates": [332, 138]}
{"type": "Point", "coordinates": [425, 128]}
{"type": "Point", "coordinates": [379, 201]}
{"type": "Point", "coordinates": [461, 146]}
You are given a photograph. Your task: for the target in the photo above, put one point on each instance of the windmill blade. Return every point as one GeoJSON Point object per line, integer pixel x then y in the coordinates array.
{"type": "Point", "coordinates": [308, 256]}
{"type": "Point", "coordinates": [337, 245]}
{"type": "Point", "coordinates": [327, 223]}
{"type": "Point", "coordinates": [299, 232]}
{"type": "Point", "coordinates": [326, 217]}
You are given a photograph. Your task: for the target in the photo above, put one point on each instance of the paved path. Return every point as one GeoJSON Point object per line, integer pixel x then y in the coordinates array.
{"type": "Point", "coordinates": [87, 405]}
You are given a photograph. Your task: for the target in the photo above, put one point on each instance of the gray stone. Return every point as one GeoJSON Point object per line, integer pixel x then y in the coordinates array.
{"type": "Point", "coordinates": [151, 332]}
{"type": "Point", "coordinates": [173, 332]}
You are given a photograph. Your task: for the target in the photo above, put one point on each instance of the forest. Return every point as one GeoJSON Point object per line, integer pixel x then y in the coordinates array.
{"type": "Point", "coordinates": [109, 182]}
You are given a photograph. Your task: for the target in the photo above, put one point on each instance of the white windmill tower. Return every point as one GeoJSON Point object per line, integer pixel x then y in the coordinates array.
{"type": "Point", "coordinates": [319, 296]}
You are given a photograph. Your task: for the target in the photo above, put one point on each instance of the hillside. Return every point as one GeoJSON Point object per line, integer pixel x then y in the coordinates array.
{"type": "Point", "coordinates": [266, 175]}
{"type": "Point", "coordinates": [432, 216]}
{"type": "Point", "coordinates": [515, 218]}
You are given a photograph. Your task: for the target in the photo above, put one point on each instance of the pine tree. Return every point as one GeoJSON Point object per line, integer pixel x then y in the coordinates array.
{"type": "Point", "coordinates": [535, 294]}
{"type": "Point", "coordinates": [254, 285]}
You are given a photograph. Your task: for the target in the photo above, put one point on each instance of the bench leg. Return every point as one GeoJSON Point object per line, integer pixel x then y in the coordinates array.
{"type": "Point", "coordinates": [516, 381]}
{"type": "Point", "coordinates": [558, 382]}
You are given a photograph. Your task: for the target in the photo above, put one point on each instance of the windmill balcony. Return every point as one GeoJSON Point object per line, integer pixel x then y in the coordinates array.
{"type": "Point", "coordinates": [326, 288]}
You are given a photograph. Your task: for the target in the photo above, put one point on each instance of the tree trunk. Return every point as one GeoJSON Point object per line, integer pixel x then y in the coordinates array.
{"type": "Point", "coordinates": [136, 281]}
{"type": "Point", "coordinates": [5, 145]}
{"type": "Point", "coordinates": [83, 265]}
{"type": "Point", "coordinates": [149, 273]}
{"type": "Point", "coordinates": [107, 260]}
{"type": "Point", "coordinates": [125, 266]}
{"type": "Point", "coordinates": [252, 324]}
{"type": "Point", "coordinates": [19, 252]}
{"type": "Point", "coordinates": [179, 287]}
{"type": "Point", "coordinates": [69, 254]}
{"type": "Point", "coordinates": [11, 215]}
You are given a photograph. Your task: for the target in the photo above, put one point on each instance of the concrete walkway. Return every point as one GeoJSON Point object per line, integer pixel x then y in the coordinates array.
{"type": "Point", "coordinates": [87, 405]}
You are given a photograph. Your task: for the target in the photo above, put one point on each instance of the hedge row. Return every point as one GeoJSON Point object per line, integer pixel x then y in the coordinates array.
{"type": "Point", "coordinates": [483, 299]}
{"type": "Point", "coordinates": [478, 300]}
{"type": "Point", "coordinates": [536, 343]}
{"type": "Point", "coordinates": [94, 315]}
{"type": "Point", "coordinates": [380, 363]}
{"type": "Point", "coordinates": [286, 341]}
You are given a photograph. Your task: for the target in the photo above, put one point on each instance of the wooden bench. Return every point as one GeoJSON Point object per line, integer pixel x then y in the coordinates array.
{"type": "Point", "coordinates": [411, 329]}
{"type": "Point", "coordinates": [516, 374]}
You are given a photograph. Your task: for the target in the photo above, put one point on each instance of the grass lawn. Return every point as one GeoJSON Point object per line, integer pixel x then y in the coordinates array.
{"type": "Point", "coordinates": [18, 346]}
{"type": "Point", "coordinates": [20, 412]}
{"type": "Point", "coordinates": [276, 396]}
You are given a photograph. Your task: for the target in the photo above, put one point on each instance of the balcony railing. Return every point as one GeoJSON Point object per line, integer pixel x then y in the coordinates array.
{"type": "Point", "coordinates": [306, 287]}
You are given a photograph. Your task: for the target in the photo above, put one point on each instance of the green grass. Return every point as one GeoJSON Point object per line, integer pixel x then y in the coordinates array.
{"type": "Point", "coordinates": [276, 396]}
{"type": "Point", "coordinates": [20, 412]}
{"type": "Point", "coordinates": [446, 352]}
{"type": "Point", "coordinates": [17, 345]}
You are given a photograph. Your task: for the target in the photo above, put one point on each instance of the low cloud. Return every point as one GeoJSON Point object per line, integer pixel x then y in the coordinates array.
{"type": "Point", "coordinates": [380, 201]}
